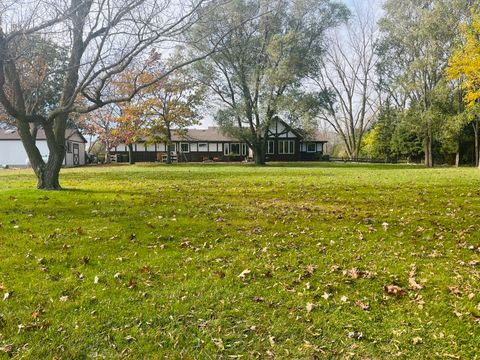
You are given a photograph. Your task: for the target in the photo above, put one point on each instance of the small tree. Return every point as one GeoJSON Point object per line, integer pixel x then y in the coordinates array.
{"type": "Point", "coordinates": [172, 103]}
{"type": "Point", "coordinates": [101, 125]}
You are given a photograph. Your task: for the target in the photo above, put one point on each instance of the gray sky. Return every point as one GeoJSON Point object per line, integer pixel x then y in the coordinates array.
{"type": "Point", "coordinates": [207, 114]}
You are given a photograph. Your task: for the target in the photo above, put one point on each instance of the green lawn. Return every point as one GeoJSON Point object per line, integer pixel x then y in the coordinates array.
{"type": "Point", "coordinates": [218, 261]}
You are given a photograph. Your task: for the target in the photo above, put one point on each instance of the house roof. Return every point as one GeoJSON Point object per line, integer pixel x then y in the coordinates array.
{"type": "Point", "coordinates": [12, 134]}
{"type": "Point", "coordinates": [317, 136]}
{"type": "Point", "coordinates": [215, 134]}
{"type": "Point", "coordinates": [210, 134]}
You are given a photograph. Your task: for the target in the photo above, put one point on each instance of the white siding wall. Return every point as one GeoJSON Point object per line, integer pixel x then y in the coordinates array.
{"type": "Point", "coordinates": [13, 153]}
{"type": "Point", "coordinates": [69, 156]}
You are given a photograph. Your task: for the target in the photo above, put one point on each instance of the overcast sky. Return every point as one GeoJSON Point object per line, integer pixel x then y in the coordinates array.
{"type": "Point", "coordinates": [376, 5]}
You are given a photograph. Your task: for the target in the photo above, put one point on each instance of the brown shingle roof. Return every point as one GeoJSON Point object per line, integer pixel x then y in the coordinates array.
{"type": "Point", "coordinates": [215, 134]}
{"type": "Point", "coordinates": [210, 134]}
{"type": "Point", "coordinates": [317, 136]}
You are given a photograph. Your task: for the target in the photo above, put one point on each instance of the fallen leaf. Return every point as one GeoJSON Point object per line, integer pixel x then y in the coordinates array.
{"type": "Point", "coordinates": [64, 298]}
{"type": "Point", "coordinates": [6, 296]}
{"type": "Point", "coordinates": [220, 274]}
{"type": "Point", "coordinates": [326, 295]}
{"type": "Point", "coordinates": [35, 315]}
{"type": "Point", "coordinates": [454, 290]}
{"type": "Point", "coordinates": [413, 284]}
{"type": "Point", "coordinates": [271, 339]}
{"type": "Point", "coordinates": [355, 335]}
{"type": "Point", "coordinates": [417, 340]}
{"type": "Point", "coordinates": [394, 290]}
{"type": "Point", "coordinates": [6, 348]}
{"type": "Point", "coordinates": [362, 305]}
{"type": "Point", "coordinates": [310, 307]}
{"type": "Point", "coordinates": [344, 298]}
{"type": "Point", "coordinates": [357, 274]}
{"type": "Point", "coordinates": [244, 274]}
{"type": "Point", "coordinates": [310, 269]}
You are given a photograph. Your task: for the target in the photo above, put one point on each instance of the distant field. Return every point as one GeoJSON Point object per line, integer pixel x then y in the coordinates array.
{"type": "Point", "coordinates": [230, 261]}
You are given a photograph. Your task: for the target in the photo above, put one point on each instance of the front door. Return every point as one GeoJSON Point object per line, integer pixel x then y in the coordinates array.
{"type": "Point", "coordinates": [76, 155]}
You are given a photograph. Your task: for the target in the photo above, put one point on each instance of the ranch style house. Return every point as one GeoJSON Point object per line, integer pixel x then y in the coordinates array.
{"type": "Point", "coordinates": [197, 145]}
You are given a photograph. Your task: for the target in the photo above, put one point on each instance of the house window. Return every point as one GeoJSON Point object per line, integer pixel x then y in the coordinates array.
{"type": "Point", "coordinates": [69, 147]}
{"type": "Point", "coordinates": [286, 147]}
{"type": "Point", "coordinates": [235, 149]}
{"type": "Point", "coordinates": [311, 147]}
{"type": "Point", "coordinates": [244, 149]}
{"type": "Point", "coordinates": [202, 147]}
{"type": "Point", "coordinates": [185, 147]}
{"type": "Point", "coordinates": [270, 147]}
{"type": "Point", "coordinates": [212, 147]}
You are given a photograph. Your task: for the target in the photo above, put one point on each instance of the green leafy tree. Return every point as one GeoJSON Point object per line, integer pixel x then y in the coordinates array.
{"type": "Point", "coordinates": [378, 141]}
{"type": "Point", "coordinates": [272, 46]}
{"type": "Point", "coordinates": [418, 39]}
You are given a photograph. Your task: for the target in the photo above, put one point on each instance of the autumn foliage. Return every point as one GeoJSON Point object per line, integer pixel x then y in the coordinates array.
{"type": "Point", "coordinates": [465, 62]}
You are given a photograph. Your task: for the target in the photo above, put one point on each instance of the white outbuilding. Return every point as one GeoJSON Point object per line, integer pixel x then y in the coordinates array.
{"type": "Point", "coordinates": [13, 154]}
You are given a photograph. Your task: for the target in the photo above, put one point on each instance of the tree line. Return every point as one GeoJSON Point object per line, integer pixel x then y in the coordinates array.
{"type": "Point", "coordinates": [396, 81]}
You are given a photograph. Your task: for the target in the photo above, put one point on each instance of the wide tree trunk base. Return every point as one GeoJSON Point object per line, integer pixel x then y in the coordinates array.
{"type": "Point", "coordinates": [48, 178]}
{"type": "Point", "coordinates": [48, 184]}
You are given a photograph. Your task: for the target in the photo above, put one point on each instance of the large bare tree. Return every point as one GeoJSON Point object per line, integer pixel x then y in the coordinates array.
{"type": "Point", "coordinates": [98, 40]}
{"type": "Point", "coordinates": [347, 76]}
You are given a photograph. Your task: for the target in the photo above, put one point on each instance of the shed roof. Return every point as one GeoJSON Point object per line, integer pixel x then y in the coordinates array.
{"type": "Point", "coordinates": [12, 134]}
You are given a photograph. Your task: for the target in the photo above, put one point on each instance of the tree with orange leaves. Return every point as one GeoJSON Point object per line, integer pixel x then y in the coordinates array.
{"type": "Point", "coordinates": [170, 104]}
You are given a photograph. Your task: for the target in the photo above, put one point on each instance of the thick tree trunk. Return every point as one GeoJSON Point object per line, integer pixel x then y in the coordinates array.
{"type": "Point", "coordinates": [259, 153]}
{"type": "Point", "coordinates": [168, 144]}
{"type": "Point", "coordinates": [47, 173]}
{"type": "Point", "coordinates": [131, 159]}
{"type": "Point", "coordinates": [457, 158]}
{"type": "Point", "coordinates": [107, 157]}
{"type": "Point", "coordinates": [428, 150]}
{"type": "Point", "coordinates": [476, 130]}
{"type": "Point", "coordinates": [169, 152]}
